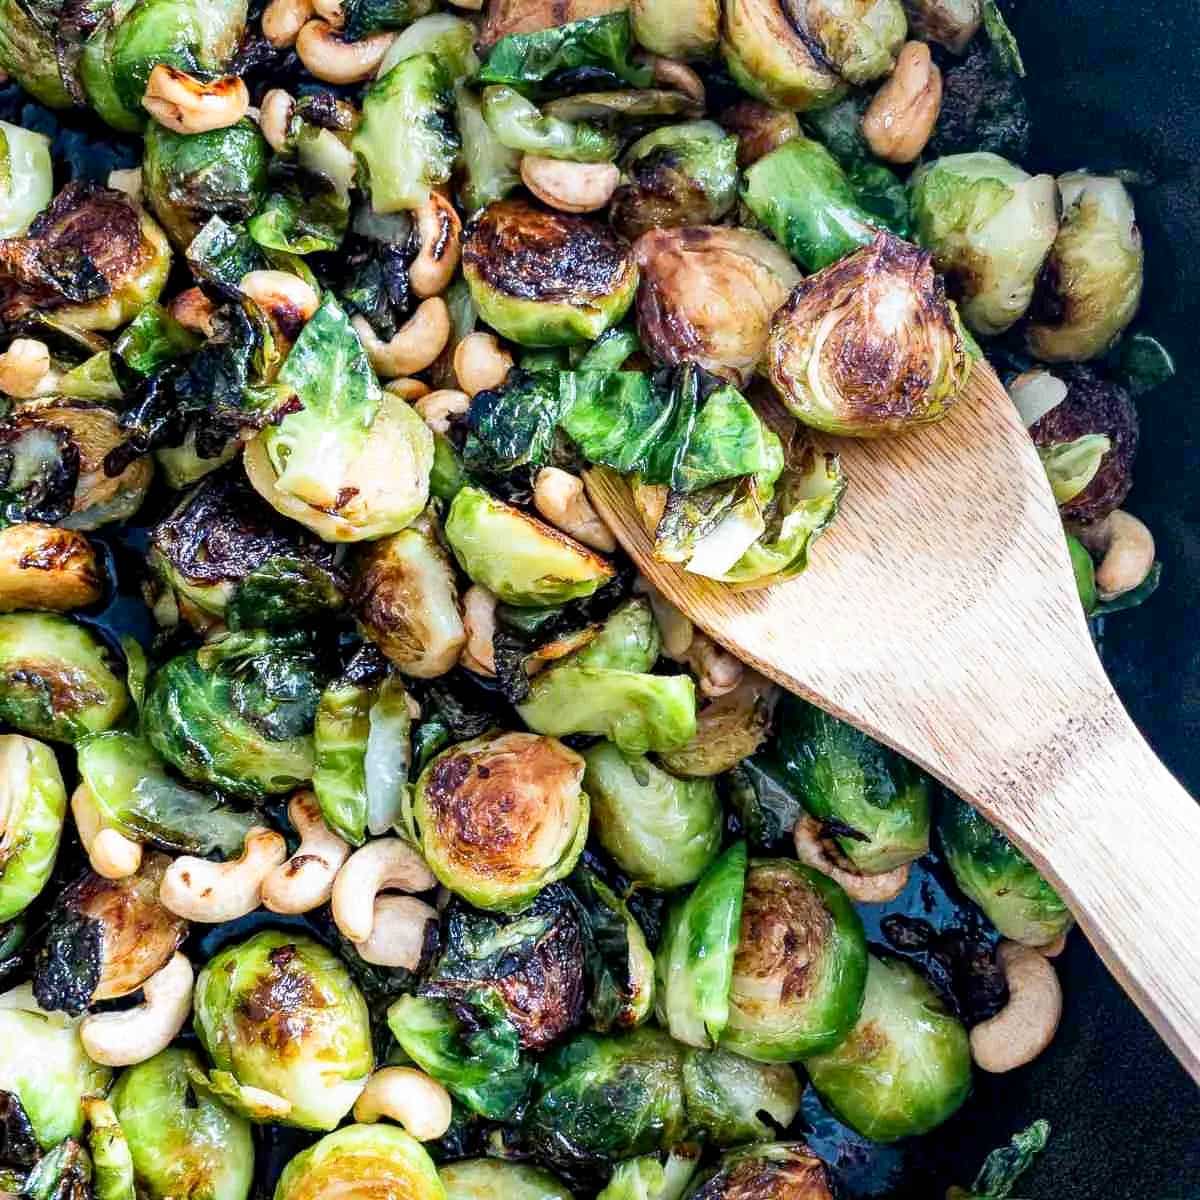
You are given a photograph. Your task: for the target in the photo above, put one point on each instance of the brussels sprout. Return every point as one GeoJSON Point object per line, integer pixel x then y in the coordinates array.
{"type": "Point", "coordinates": [495, 1179]}
{"type": "Point", "coordinates": [238, 712]}
{"type": "Point", "coordinates": [492, 169]}
{"type": "Point", "coordinates": [602, 41]}
{"type": "Point", "coordinates": [694, 965]}
{"type": "Point", "coordinates": [55, 678]}
{"type": "Point", "coordinates": [800, 968]}
{"type": "Point", "coordinates": [33, 805]}
{"type": "Point", "coordinates": [989, 226]}
{"type": "Point", "coordinates": [685, 29]}
{"type": "Point", "coordinates": [1085, 574]}
{"type": "Point", "coordinates": [728, 729]}
{"type": "Point", "coordinates": [877, 802]}
{"type": "Point", "coordinates": [183, 465]}
{"type": "Point", "coordinates": [679, 175]}
{"type": "Point", "coordinates": [905, 1066]}
{"type": "Point", "coordinates": [617, 108]}
{"type": "Point", "coordinates": [502, 816]}
{"type": "Point", "coordinates": [27, 53]}
{"type": "Point", "coordinates": [646, 1178]}
{"type": "Point", "coordinates": [190, 177]}
{"type": "Point", "coordinates": [43, 1065]}
{"type": "Point", "coordinates": [546, 278]}
{"type": "Point", "coordinates": [279, 1015]}
{"type": "Point", "coordinates": [183, 1142]}
{"type": "Point", "coordinates": [950, 23]}
{"type": "Point", "coordinates": [781, 1171]}
{"type": "Point", "coordinates": [1091, 283]}
{"type": "Point", "coordinates": [110, 1152]}
{"type": "Point", "coordinates": [869, 346]}
{"type": "Point", "coordinates": [663, 832]}
{"type": "Point", "coordinates": [728, 1097]}
{"type": "Point", "coordinates": [362, 1160]}
{"type": "Point", "coordinates": [26, 176]}
{"type": "Point", "coordinates": [519, 124]}
{"type": "Point", "coordinates": [449, 38]}
{"type": "Point", "coordinates": [105, 938]}
{"type": "Point", "coordinates": [707, 295]}
{"type": "Point", "coordinates": [999, 878]}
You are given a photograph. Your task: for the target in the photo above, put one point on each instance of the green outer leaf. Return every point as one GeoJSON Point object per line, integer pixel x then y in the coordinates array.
{"type": "Point", "coordinates": [1085, 574]}
{"type": "Point", "coordinates": [1004, 44]}
{"type": "Point", "coordinates": [1145, 363]}
{"type": "Point", "coordinates": [615, 417]}
{"type": "Point", "coordinates": [1004, 1167]}
{"type": "Point", "coordinates": [295, 223]}
{"type": "Point", "coordinates": [224, 253]}
{"type": "Point", "coordinates": [646, 1178]}
{"type": "Point", "coordinates": [727, 441]}
{"type": "Point", "coordinates": [152, 339]}
{"type": "Point", "coordinates": [1071, 466]}
{"type": "Point", "coordinates": [364, 17]}
{"type": "Point", "coordinates": [728, 1097]}
{"type": "Point", "coordinates": [111, 1157]}
{"type": "Point", "coordinates": [339, 773]}
{"type": "Point", "coordinates": [33, 802]}
{"type": "Point", "coordinates": [519, 124]}
{"type": "Point", "coordinates": [492, 168]}
{"type": "Point", "coordinates": [513, 425]}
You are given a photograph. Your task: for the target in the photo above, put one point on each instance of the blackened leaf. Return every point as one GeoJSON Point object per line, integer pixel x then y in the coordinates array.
{"type": "Point", "coordinates": [513, 426]}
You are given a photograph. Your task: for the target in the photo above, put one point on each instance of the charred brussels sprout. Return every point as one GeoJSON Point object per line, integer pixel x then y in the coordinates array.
{"type": "Point", "coordinates": [288, 1032]}
{"type": "Point", "coordinates": [1091, 283]}
{"type": "Point", "coordinates": [362, 1161]}
{"type": "Point", "coordinates": [26, 176]}
{"type": "Point", "coordinates": [734, 1100]}
{"type": "Point", "coordinates": [728, 729]}
{"type": "Point", "coordinates": [800, 968]}
{"type": "Point", "coordinates": [683, 29]}
{"type": "Point", "coordinates": [904, 1068]}
{"type": "Point", "coordinates": [33, 804]}
{"type": "Point", "coordinates": [545, 278]}
{"type": "Point", "coordinates": [502, 816]}
{"type": "Point", "coordinates": [869, 346]}
{"type": "Point", "coordinates": [654, 1176]}
{"type": "Point", "coordinates": [989, 226]}
{"type": "Point", "coordinates": [780, 1171]}
{"type": "Point", "coordinates": [55, 678]}
{"type": "Point", "coordinates": [183, 1142]}
{"type": "Point", "coordinates": [999, 878]}
{"type": "Point", "coordinates": [495, 1179]}
{"type": "Point", "coordinates": [27, 53]}
{"type": "Point", "coordinates": [238, 712]}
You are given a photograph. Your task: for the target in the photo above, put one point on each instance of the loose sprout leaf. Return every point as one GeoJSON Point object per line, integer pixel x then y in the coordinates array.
{"type": "Point", "coordinates": [1004, 1167]}
{"type": "Point", "coordinates": [736, 1100]}
{"type": "Point", "coordinates": [449, 38]}
{"type": "Point", "coordinates": [883, 195]}
{"type": "Point", "coordinates": [308, 215]}
{"type": "Point", "coordinates": [492, 168]}
{"type": "Point", "coordinates": [152, 340]}
{"type": "Point", "coordinates": [1145, 363]}
{"type": "Point", "coordinates": [614, 417]}
{"type": "Point", "coordinates": [364, 17]}
{"type": "Point", "coordinates": [1004, 44]}
{"type": "Point", "coordinates": [224, 253]}
{"type": "Point", "coordinates": [513, 425]}
{"type": "Point", "coordinates": [609, 351]}
{"type": "Point", "coordinates": [519, 124]}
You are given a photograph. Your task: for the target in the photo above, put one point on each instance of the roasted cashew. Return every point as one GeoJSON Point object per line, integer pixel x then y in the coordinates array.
{"type": "Point", "coordinates": [863, 889]}
{"type": "Point", "coordinates": [559, 497]}
{"type": "Point", "coordinates": [408, 1097]}
{"type": "Point", "coordinates": [675, 630]}
{"type": "Point", "coordinates": [1026, 1025]}
{"type": "Point", "coordinates": [387, 862]}
{"type": "Point", "coordinates": [26, 370]}
{"type": "Point", "coordinates": [332, 59]}
{"type": "Point", "coordinates": [274, 115]}
{"type": "Point", "coordinates": [120, 1039]}
{"type": "Point", "coordinates": [440, 232]}
{"type": "Point", "coordinates": [285, 299]}
{"type": "Point", "coordinates": [282, 21]}
{"type": "Point", "coordinates": [439, 409]}
{"type": "Point", "coordinates": [479, 620]}
{"type": "Point", "coordinates": [305, 881]}
{"type": "Point", "coordinates": [110, 853]}
{"type": "Point", "coordinates": [186, 104]}
{"type": "Point", "coordinates": [573, 187]}
{"type": "Point", "coordinates": [398, 935]}
{"type": "Point", "coordinates": [128, 181]}
{"type": "Point", "coordinates": [194, 311]}
{"type": "Point", "coordinates": [331, 11]}
{"type": "Point", "coordinates": [671, 73]}
{"type": "Point", "coordinates": [407, 388]}
{"type": "Point", "coordinates": [210, 892]}
{"type": "Point", "coordinates": [1126, 550]}
{"type": "Point", "coordinates": [760, 128]}
{"type": "Point", "coordinates": [481, 363]}
{"type": "Point", "coordinates": [414, 346]}
{"type": "Point", "coordinates": [900, 119]}
{"type": "Point", "coordinates": [717, 671]}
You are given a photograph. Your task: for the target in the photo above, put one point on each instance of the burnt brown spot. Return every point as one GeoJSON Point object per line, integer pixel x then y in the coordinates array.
{"type": "Point", "coordinates": [278, 1010]}
{"type": "Point", "coordinates": [778, 1172]}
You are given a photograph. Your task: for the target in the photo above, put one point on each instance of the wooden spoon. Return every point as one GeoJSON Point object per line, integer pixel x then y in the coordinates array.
{"type": "Point", "coordinates": [939, 614]}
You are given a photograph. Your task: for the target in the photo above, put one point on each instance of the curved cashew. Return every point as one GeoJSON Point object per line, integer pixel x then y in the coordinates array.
{"type": "Point", "coordinates": [560, 498]}
{"type": "Point", "coordinates": [388, 862]}
{"type": "Point", "coordinates": [128, 181]}
{"type": "Point", "coordinates": [676, 631]}
{"type": "Point", "coordinates": [1026, 1025]}
{"type": "Point", "coordinates": [210, 892]}
{"type": "Point", "coordinates": [438, 409]}
{"type": "Point", "coordinates": [282, 21]}
{"type": "Point", "coordinates": [717, 671]}
{"type": "Point", "coordinates": [479, 621]}
{"type": "Point", "coordinates": [332, 59]}
{"type": "Point", "coordinates": [110, 852]}
{"type": "Point", "coordinates": [671, 73]}
{"type": "Point", "coordinates": [188, 105]}
{"type": "Point", "coordinates": [407, 388]}
{"type": "Point", "coordinates": [440, 232]}
{"type": "Point", "coordinates": [286, 300]}
{"type": "Point", "coordinates": [26, 370]}
{"type": "Point", "coordinates": [1126, 548]}
{"type": "Point", "coordinates": [901, 117]}
{"type": "Point", "coordinates": [331, 11]}
{"type": "Point", "coordinates": [414, 345]}
{"type": "Point", "coordinates": [481, 363]}
{"type": "Point", "coordinates": [573, 187]}
{"type": "Point", "coordinates": [274, 114]}
{"type": "Point", "coordinates": [410, 1098]}
{"type": "Point", "coordinates": [398, 935]}
{"type": "Point", "coordinates": [305, 881]}
{"type": "Point", "coordinates": [120, 1039]}
{"type": "Point", "coordinates": [863, 889]}
{"type": "Point", "coordinates": [194, 311]}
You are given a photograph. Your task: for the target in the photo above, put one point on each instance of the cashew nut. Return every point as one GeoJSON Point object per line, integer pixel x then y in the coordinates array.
{"type": "Point", "coordinates": [210, 892]}
{"type": "Point", "coordinates": [282, 21]}
{"type": "Point", "coordinates": [305, 881]}
{"type": "Point", "coordinates": [479, 621]}
{"type": "Point", "coordinates": [407, 388]}
{"type": "Point", "coordinates": [717, 671]}
{"type": "Point", "coordinates": [674, 628]}
{"type": "Point", "coordinates": [120, 1039]}
{"type": "Point", "coordinates": [573, 187]}
{"type": "Point", "coordinates": [760, 128]}
{"type": "Point", "coordinates": [863, 889]}
{"type": "Point", "coordinates": [274, 115]}
{"type": "Point", "coordinates": [900, 119]}
{"type": "Point", "coordinates": [110, 852]}
{"type": "Point", "coordinates": [439, 409]}
{"type": "Point", "coordinates": [26, 370]}
{"type": "Point", "coordinates": [128, 181]}
{"type": "Point", "coordinates": [414, 345]}
{"type": "Point", "coordinates": [440, 234]}
{"type": "Point", "coordinates": [188, 105]}
{"type": "Point", "coordinates": [671, 73]}
{"type": "Point", "coordinates": [286, 300]}
{"type": "Point", "coordinates": [388, 862]}
{"type": "Point", "coordinates": [331, 11]}
{"type": "Point", "coordinates": [194, 311]}
{"type": "Point", "coordinates": [1055, 948]}
{"type": "Point", "coordinates": [1026, 1025]}
{"type": "Point", "coordinates": [481, 363]}
{"type": "Point", "coordinates": [1126, 549]}
{"type": "Point", "coordinates": [559, 497]}
{"type": "Point", "coordinates": [332, 59]}
{"type": "Point", "coordinates": [410, 1098]}
{"type": "Point", "coordinates": [398, 935]}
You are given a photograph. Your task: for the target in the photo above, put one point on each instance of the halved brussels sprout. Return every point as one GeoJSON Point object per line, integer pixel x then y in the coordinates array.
{"type": "Point", "coordinates": [728, 729]}
{"type": "Point", "coordinates": [238, 712]}
{"type": "Point", "coordinates": [999, 878]}
{"type": "Point", "coordinates": [735, 1100]}
{"type": "Point", "coordinates": [502, 816]}
{"type": "Point", "coordinates": [449, 38]}
{"type": "Point", "coordinates": [780, 1171]}
{"type": "Point", "coordinates": [1091, 283]}
{"type": "Point", "coordinates": [683, 29]}
{"type": "Point", "coordinates": [495, 1179]}
{"type": "Point", "coordinates": [183, 1142]}
{"type": "Point", "coordinates": [905, 1066]}
{"type": "Point", "coordinates": [654, 1176]}
{"type": "Point", "coordinates": [663, 832]}
{"type": "Point", "coordinates": [55, 678]}
{"type": "Point", "coordinates": [33, 805]}
{"type": "Point", "coordinates": [989, 226]}
{"type": "Point", "coordinates": [869, 346]}
{"type": "Point", "coordinates": [362, 1161]}
{"type": "Point", "coordinates": [707, 295]}
{"type": "Point", "coordinates": [492, 169]}
{"type": "Point", "coordinates": [545, 278]}
{"type": "Point", "coordinates": [27, 53]}
{"type": "Point", "coordinates": [43, 1065]}
{"type": "Point", "coordinates": [26, 175]}
{"type": "Point", "coordinates": [519, 124]}
{"type": "Point", "coordinates": [284, 1025]}
{"type": "Point", "coordinates": [800, 968]}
